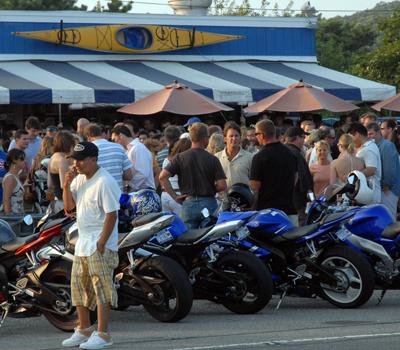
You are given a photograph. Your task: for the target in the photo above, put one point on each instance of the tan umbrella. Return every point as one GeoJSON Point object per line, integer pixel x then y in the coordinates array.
{"type": "Point", "coordinates": [391, 104]}
{"type": "Point", "coordinates": [177, 99]}
{"type": "Point", "coordinates": [301, 97]}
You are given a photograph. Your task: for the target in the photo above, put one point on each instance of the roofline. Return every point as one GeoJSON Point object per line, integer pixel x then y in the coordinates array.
{"type": "Point", "coordinates": [160, 19]}
{"type": "Point", "coordinates": [164, 58]}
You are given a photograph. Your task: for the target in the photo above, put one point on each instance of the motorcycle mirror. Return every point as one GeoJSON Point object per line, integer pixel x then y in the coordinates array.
{"type": "Point", "coordinates": [28, 220]}
{"type": "Point", "coordinates": [311, 196]}
{"type": "Point", "coordinates": [205, 213]}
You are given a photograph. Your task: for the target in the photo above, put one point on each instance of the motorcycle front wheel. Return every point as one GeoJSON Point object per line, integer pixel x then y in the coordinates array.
{"type": "Point", "coordinates": [172, 295]}
{"type": "Point", "coordinates": [355, 277]}
{"type": "Point", "coordinates": [252, 286]}
{"type": "Point", "coordinates": [57, 277]}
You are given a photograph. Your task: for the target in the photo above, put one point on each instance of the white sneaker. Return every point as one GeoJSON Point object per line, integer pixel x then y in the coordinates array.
{"type": "Point", "coordinates": [75, 339]}
{"type": "Point", "coordinates": [97, 342]}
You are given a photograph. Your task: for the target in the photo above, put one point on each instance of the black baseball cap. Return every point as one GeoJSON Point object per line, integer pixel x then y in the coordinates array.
{"type": "Point", "coordinates": [295, 131]}
{"type": "Point", "coordinates": [83, 150]}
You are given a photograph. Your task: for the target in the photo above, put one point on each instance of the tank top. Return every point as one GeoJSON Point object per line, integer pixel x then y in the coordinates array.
{"type": "Point", "coordinates": [17, 196]}
{"type": "Point", "coordinates": [55, 179]}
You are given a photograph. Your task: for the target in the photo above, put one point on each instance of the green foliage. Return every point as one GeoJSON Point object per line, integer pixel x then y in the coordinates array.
{"type": "Point", "coordinates": [230, 8]}
{"type": "Point", "coordinates": [340, 43]}
{"type": "Point", "coordinates": [118, 6]}
{"type": "Point", "coordinates": [41, 5]}
{"type": "Point", "coordinates": [383, 63]}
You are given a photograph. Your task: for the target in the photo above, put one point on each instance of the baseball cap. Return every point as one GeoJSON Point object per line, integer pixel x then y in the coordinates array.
{"type": "Point", "coordinates": [295, 131]}
{"type": "Point", "coordinates": [192, 121]}
{"type": "Point", "coordinates": [83, 150]}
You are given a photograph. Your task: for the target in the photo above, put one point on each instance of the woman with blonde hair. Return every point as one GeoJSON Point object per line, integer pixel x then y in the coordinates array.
{"type": "Point", "coordinates": [346, 162]}
{"type": "Point", "coordinates": [320, 170]}
{"type": "Point", "coordinates": [216, 143]}
{"type": "Point", "coordinates": [45, 152]}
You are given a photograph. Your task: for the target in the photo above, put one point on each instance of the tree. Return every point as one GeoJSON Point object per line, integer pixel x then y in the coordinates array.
{"type": "Point", "coordinates": [41, 5]}
{"type": "Point", "coordinates": [383, 63]}
{"type": "Point", "coordinates": [342, 43]}
{"type": "Point", "coordinates": [119, 6]}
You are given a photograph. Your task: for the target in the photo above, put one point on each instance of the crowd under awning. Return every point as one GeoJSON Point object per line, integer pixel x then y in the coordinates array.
{"type": "Point", "coordinates": [47, 82]}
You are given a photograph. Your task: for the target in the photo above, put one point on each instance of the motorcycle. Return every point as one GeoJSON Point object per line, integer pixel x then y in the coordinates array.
{"type": "Point", "coordinates": [308, 261]}
{"type": "Point", "coordinates": [368, 229]}
{"type": "Point", "coordinates": [143, 278]}
{"type": "Point", "coordinates": [31, 284]}
{"type": "Point", "coordinates": [236, 279]}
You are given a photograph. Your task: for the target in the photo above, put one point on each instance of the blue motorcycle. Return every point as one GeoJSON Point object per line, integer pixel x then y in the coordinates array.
{"type": "Point", "coordinates": [368, 229]}
{"type": "Point", "coordinates": [306, 261]}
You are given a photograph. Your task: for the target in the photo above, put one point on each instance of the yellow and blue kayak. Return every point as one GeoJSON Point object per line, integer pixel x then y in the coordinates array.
{"type": "Point", "coordinates": [128, 38]}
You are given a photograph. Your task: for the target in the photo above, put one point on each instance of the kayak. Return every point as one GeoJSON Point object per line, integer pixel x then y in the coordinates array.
{"type": "Point", "coordinates": [128, 38]}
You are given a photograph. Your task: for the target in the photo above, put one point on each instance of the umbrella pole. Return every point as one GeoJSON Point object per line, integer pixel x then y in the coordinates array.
{"type": "Point", "coordinates": [59, 114]}
{"type": "Point", "coordinates": [223, 116]}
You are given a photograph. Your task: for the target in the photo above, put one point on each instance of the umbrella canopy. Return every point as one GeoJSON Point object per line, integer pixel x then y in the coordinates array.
{"type": "Point", "coordinates": [301, 97]}
{"type": "Point", "coordinates": [391, 104]}
{"type": "Point", "coordinates": [177, 99]}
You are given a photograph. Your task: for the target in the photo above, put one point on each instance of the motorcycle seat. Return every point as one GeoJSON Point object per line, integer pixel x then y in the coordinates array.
{"type": "Point", "coordinates": [391, 231]}
{"type": "Point", "coordinates": [145, 219]}
{"type": "Point", "coordinates": [192, 235]}
{"type": "Point", "coordinates": [18, 242]}
{"type": "Point", "coordinates": [53, 223]}
{"type": "Point", "coordinates": [296, 233]}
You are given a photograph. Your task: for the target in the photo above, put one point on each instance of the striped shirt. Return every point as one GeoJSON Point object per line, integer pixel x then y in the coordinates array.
{"type": "Point", "coordinates": [113, 158]}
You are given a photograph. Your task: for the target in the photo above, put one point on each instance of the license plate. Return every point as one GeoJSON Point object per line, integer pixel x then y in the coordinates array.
{"type": "Point", "coordinates": [164, 236]}
{"type": "Point", "coordinates": [242, 233]}
{"type": "Point", "coordinates": [343, 234]}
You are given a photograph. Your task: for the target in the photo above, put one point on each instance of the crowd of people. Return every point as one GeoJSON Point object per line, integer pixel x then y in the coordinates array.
{"type": "Point", "coordinates": [281, 161]}
{"type": "Point", "coordinates": [84, 172]}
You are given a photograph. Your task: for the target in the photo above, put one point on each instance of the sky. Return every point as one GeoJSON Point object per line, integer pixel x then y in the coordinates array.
{"type": "Point", "coordinates": [333, 8]}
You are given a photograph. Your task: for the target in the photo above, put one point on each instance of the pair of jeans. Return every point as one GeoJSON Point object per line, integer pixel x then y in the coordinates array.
{"type": "Point", "coordinates": [192, 207]}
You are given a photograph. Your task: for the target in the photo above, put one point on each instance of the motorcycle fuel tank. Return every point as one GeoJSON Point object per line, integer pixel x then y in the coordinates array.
{"type": "Point", "coordinates": [270, 222]}
{"type": "Point", "coordinates": [369, 221]}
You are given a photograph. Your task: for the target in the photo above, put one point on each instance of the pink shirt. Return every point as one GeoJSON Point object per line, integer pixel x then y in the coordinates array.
{"type": "Point", "coordinates": [321, 177]}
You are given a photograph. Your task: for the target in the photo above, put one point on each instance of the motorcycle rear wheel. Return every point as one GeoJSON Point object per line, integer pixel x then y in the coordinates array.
{"type": "Point", "coordinates": [255, 280]}
{"type": "Point", "coordinates": [66, 319]}
{"type": "Point", "coordinates": [174, 297]}
{"type": "Point", "coordinates": [355, 274]}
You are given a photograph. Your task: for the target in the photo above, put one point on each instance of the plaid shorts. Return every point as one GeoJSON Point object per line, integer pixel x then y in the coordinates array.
{"type": "Point", "coordinates": [92, 279]}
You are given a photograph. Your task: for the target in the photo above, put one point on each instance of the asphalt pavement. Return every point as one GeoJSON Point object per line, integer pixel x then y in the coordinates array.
{"type": "Point", "coordinates": [310, 324]}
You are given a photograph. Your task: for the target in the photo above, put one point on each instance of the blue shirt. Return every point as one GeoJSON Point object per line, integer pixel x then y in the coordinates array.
{"type": "Point", "coordinates": [3, 171]}
{"type": "Point", "coordinates": [390, 166]}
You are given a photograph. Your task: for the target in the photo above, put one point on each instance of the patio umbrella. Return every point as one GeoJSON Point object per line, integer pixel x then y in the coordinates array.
{"type": "Point", "coordinates": [177, 99]}
{"type": "Point", "coordinates": [391, 104]}
{"type": "Point", "coordinates": [301, 97]}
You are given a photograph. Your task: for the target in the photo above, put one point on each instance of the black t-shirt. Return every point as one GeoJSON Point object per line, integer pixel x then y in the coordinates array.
{"type": "Point", "coordinates": [197, 172]}
{"type": "Point", "coordinates": [275, 167]}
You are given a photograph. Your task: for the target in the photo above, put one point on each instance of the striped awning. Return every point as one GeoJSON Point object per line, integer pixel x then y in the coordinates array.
{"type": "Point", "coordinates": [45, 82]}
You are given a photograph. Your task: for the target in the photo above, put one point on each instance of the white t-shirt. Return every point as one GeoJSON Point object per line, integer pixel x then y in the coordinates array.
{"type": "Point", "coordinates": [95, 198]}
{"type": "Point", "coordinates": [142, 161]}
{"type": "Point", "coordinates": [369, 153]}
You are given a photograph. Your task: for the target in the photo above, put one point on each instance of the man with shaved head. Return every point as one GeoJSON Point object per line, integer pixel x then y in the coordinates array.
{"type": "Point", "coordinates": [80, 127]}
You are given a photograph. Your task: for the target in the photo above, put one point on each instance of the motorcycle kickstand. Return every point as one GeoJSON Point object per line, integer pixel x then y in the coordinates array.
{"type": "Point", "coordinates": [4, 314]}
{"type": "Point", "coordinates": [380, 298]}
{"type": "Point", "coordinates": [283, 295]}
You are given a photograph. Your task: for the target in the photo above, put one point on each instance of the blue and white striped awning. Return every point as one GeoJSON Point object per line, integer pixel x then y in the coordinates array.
{"type": "Point", "coordinates": [45, 82]}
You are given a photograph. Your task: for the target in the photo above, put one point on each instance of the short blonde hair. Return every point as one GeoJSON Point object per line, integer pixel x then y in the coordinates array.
{"type": "Point", "coordinates": [321, 143]}
{"type": "Point", "coordinates": [216, 143]}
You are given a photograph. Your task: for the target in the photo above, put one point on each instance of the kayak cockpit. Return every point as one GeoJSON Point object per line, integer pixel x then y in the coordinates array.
{"type": "Point", "coordinates": [137, 38]}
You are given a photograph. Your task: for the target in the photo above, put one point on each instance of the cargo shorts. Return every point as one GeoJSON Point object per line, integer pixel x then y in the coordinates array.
{"type": "Point", "coordinates": [92, 279]}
